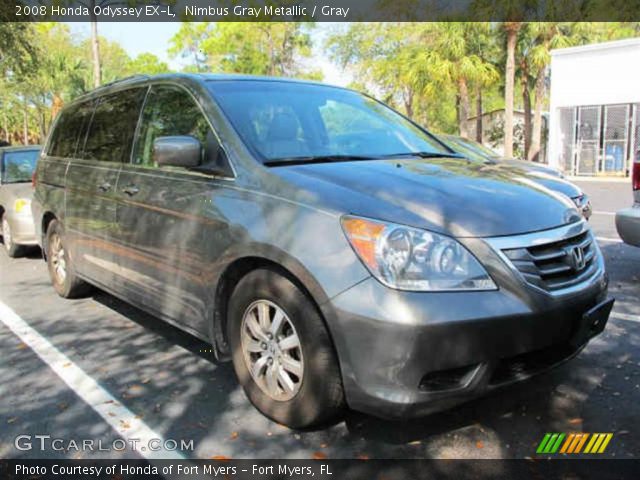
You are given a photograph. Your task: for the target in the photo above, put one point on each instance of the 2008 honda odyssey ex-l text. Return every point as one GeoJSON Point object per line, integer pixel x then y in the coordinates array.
{"type": "Point", "coordinates": [336, 252]}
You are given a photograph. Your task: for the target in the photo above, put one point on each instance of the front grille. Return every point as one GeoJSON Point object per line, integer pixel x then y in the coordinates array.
{"type": "Point", "coordinates": [556, 265]}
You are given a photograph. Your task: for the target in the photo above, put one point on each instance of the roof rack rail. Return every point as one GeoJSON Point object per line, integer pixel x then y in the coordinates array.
{"type": "Point", "coordinates": [123, 80]}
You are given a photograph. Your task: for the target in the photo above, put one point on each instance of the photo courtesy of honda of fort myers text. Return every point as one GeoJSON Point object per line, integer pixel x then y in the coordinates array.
{"type": "Point", "coordinates": [319, 239]}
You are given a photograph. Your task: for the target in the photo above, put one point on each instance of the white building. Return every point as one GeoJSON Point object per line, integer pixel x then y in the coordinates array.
{"type": "Point", "coordinates": [595, 108]}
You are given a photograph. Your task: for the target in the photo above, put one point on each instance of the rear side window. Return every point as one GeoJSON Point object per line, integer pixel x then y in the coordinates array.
{"type": "Point", "coordinates": [113, 126]}
{"type": "Point", "coordinates": [69, 130]}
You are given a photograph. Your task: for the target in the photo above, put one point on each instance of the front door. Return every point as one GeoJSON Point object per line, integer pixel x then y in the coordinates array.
{"type": "Point", "coordinates": [166, 217]}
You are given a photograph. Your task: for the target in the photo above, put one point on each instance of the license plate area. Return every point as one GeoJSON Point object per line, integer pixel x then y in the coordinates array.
{"type": "Point", "coordinates": [592, 322]}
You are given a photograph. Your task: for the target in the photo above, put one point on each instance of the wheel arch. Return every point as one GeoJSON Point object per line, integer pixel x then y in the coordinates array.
{"type": "Point", "coordinates": [240, 266]}
{"type": "Point", "coordinates": [47, 218]}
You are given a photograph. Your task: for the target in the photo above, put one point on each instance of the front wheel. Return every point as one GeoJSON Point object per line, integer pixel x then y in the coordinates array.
{"type": "Point", "coordinates": [63, 277]}
{"type": "Point", "coordinates": [282, 353]}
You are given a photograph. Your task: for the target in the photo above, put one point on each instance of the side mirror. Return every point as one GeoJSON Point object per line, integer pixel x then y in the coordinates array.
{"type": "Point", "coordinates": [177, 151]}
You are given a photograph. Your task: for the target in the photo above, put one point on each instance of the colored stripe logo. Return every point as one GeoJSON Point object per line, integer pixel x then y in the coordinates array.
{"type": "Point", "coordinates": [574, 443]}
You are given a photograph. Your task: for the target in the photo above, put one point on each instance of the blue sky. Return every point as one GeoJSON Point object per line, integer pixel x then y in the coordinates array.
{"type": "Point", "coordinates": [137, 38]}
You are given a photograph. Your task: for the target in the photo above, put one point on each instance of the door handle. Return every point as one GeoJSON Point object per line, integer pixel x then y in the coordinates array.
{"type": "Point", "coordinates": [105, 187]}
{"type": "Point", "coordinates": [131, 190]}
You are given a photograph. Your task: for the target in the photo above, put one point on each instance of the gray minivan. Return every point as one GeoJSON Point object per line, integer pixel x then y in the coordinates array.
{"type": "Point", "coordinates": [336, 252]}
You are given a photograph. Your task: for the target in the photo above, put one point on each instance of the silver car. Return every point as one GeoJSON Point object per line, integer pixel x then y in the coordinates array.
{"type": "Point", "coordinates": [16, 167]}
{"type": "Point", "coordinates": [628, 219]}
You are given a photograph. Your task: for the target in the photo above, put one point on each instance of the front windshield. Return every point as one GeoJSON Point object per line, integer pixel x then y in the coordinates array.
{"type": "Point", "coordinates": [295, 121]}
{"type": "Point", "coordinates": [18, 165]}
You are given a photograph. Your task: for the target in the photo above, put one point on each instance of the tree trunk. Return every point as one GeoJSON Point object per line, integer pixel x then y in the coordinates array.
{"type": "Point", "coordinates": [479, 116]}
{"type": "Point", "coordinates": [25, 125]}
{"type": "Point", "coordinates": [510, 71]}
{"type": "Point", "coordinates": [95, 49]}
{"type": "Point", "coordinates": [56, 105]}
{"type": "Point", "coordinates": [465, 108]}
{"type": "Point", "coordinates": [407, 98]}
{"type": "Point", "coordinates": [536, 135]}
{"type": "Point", "coordinates": [526, 101]}
{"type": "Point", "coordinates": [5, 126]}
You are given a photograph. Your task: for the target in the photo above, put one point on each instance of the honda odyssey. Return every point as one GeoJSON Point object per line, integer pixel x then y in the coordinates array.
{"type": "Point", "coordinates": [339, 254]}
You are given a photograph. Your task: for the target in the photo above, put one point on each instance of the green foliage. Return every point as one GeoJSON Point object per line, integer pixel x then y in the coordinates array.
{"type": "Point", "coordinates": [260, 48]}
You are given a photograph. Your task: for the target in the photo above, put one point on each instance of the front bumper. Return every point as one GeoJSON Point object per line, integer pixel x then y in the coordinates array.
{"type": "Point", "coordinates": [628, 225]}
{"type": "Point", "coordinates": [406, 354]}
{"type": "Point", "coordinates": [22, 229]}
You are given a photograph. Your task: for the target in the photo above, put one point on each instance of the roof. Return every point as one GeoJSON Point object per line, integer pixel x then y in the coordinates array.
{"type": "Point", "coordinates": [189, 77]}
{"type": "Point", "coordinates": [627, 43]}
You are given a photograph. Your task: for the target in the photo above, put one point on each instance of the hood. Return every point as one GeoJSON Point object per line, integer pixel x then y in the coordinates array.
{"type": "Point", "coordinates": [13, 191]}
{"type": "Point", "coordinates": [446, 195]}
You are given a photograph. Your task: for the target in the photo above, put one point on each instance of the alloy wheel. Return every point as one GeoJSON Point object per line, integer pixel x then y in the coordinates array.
{"type": "Point", "coordinates": [58, 258]}
{"type": "Point", "coordinates": [271, 350]}
{"type": "Point", "coordinates": [6, 234]}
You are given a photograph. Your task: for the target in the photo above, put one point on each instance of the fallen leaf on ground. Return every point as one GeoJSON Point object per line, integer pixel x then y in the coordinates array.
{"type": "Point", "coordinates": [22, 346]}
{"type": "Point", "coordinates": [220, 457]}
{"type": "Point", "coordinates": [323, 445]}
{"type": "Point", "coordinates": [479, 445]}
{"type": "Point", "coordinates": [125, 424]}
{"type": "Point", "coordinates": [319, 456]}
{"type": "Point", "coordinates": [575, 421]}
{"type": "Point", "coordinates": [12, 419]}
{"type": "Point", "coordinates": [363, 456]}
{"type": "Point", "coordinates": [234, 435]}
{"type": "Point", "coordinates": [66, 365]}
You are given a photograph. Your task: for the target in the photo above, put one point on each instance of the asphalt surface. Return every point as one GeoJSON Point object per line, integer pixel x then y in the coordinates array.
{"type": "Point", "coordinates": [120, 359]}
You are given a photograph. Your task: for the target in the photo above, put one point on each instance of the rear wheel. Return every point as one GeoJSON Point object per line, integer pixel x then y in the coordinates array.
{"type": "Point", "coordinates": [282, 353]}
{"type": "Point", "coordinates": [13, 249]}
{"type": "Point", "coordinates": [63, 277]}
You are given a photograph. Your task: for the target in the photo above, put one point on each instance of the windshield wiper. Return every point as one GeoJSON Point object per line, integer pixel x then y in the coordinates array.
{"type": "Point", "coordinates": [422, 155]}
{"type": "Point", "coordinates": [316, 159]}
{"type": "Point", "coordinates": [351, 158]}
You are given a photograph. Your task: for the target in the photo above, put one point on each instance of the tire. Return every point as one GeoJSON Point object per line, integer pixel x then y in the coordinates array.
{"type": "Point", "coordinates": [13, 249]}
{"type": "Point", "coordinates": [317, 396]}
{"type": "Point", "coordinates": [63, 277]}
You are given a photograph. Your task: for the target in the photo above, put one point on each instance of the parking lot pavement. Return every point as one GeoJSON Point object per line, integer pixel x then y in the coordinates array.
{"type": "Point", "coordinates": [97, 369]}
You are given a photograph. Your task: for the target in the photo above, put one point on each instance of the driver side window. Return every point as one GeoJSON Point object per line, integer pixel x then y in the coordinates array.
{"type": "Point", "coordinates": [170, 111]}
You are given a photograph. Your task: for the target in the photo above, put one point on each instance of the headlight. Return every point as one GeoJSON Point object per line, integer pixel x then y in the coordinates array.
{"type": "Point", "coordinates": [407, 258]}
{"type": "Point", "coordinates": [21, 205]}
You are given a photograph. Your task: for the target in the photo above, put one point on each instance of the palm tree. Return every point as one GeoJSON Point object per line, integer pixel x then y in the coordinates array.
{"type": "Point", "coordinates": [453, 58]}
{"type": "Point", "coordinates": [511, 29]}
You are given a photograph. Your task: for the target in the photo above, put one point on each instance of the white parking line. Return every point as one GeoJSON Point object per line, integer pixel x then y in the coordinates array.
{"type": "Point", "coordinates": [609, 240]}
{"type": "Point", "coordinates": [129, 426]}
{"type": "Point", "coordinates": [626, 316]}
{"type": "Point", "coordinates": [600, 212]}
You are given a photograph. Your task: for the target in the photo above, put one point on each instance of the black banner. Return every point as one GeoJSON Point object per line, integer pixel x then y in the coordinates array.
{"type": "Point", "coordinates": [318, 469]}
{"type": "Point", "coordinates": [318, 10]}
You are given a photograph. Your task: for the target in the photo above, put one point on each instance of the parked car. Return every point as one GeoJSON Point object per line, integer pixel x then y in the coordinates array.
{"type": "Point", "coordinates": [542, 174]}
{"type": "Point", "coordinates": [628, 219]}
{"type": "Point", "coordinates": [336, 252]}
{"type": "Point", "coordinates": [16, 167]}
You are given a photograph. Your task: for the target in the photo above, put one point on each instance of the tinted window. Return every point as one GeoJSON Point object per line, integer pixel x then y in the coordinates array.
{"type": "Point", "coordinates": [113, 126]}
{"type": "Point", "coordinates": [171, 111]}
{"type": "Point", "coordinates": [284, 121]}
{"type": "Point", "coordinates": [69, 129]}
{"type": "Point", "coordinates": [18, 166]}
